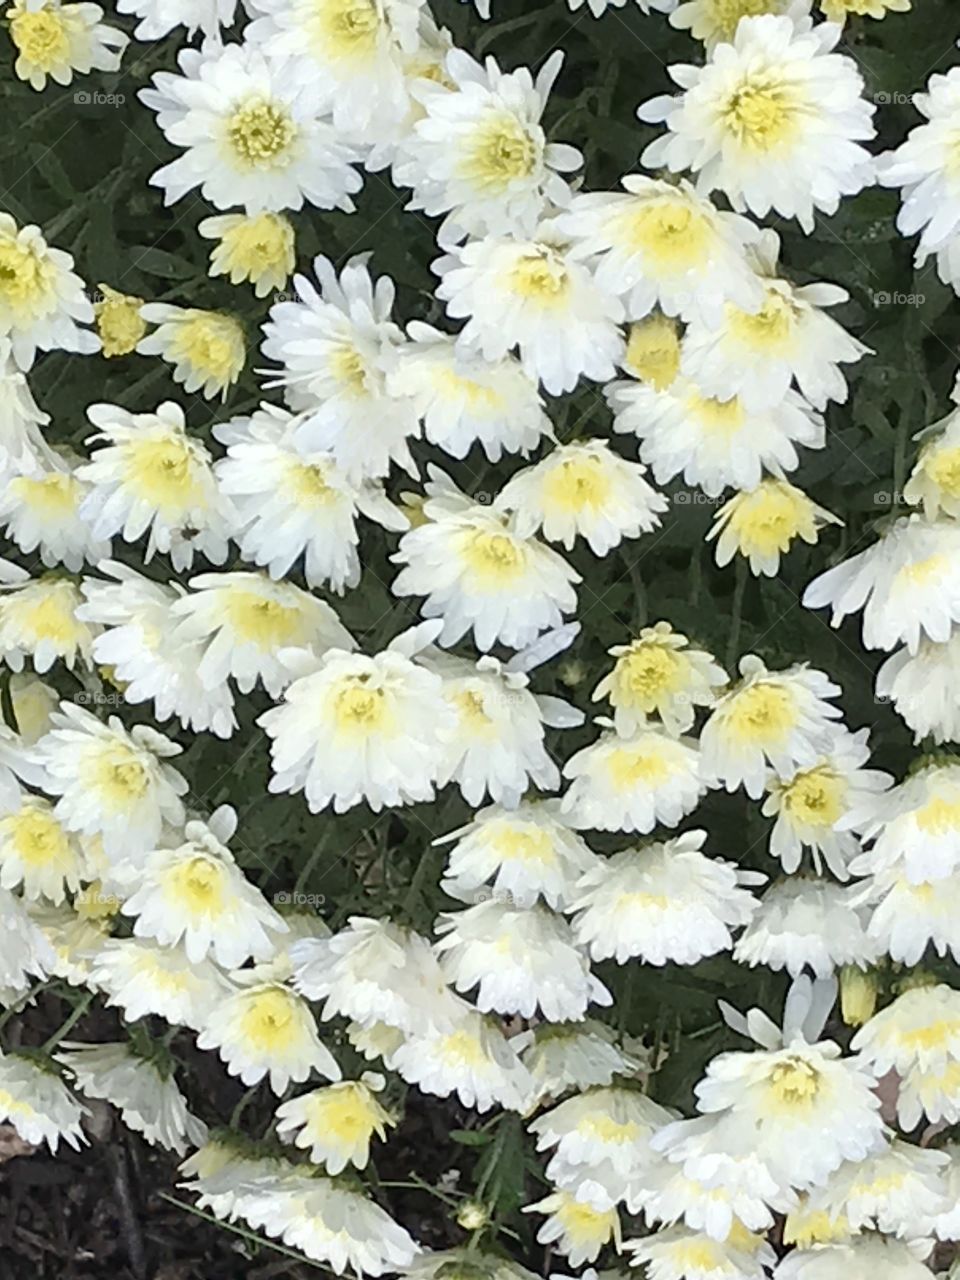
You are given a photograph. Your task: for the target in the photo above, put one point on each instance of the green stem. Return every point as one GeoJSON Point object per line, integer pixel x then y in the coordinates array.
{"type": "Point", "coordinates": [65, 1028]}
{"type": "Point", "coordinates": [733, 643]}
{"type": "Point", "coordinates": [252, 1236]}
{"type": "Point", "coordinates": [18, 1006]}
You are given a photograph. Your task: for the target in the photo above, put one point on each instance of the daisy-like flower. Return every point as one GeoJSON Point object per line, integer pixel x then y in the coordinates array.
{"type": "Point", "coordinates": [756, 354]}
{"type": "Point", "coordinates": [576, 1230]}
{"type": "Point", "coordinates": [763, 523]}
{"type": "Point", "coordinates": [934, 482]}
{"type": "Point", "coordinates": [206, 348]}
{"type": "Point", "coordinates": [675, 1253]}
{"type": "Point", "coordinates": [291, 503]}
{"type": "Point", "coordinates": [138, 645]}
{"type": "Point", "coordinates": [479, 153]}
{"type": "Point", "coordinates": [583, 490]}
{"type": "Point", "coordinates": [258, 248]}
{"type": "Point", "coordinates": [335, 345]}
{"type": "Point", "coordinates": [252, 135]}
{"type": "Point", "coordinates": [813, 806]}
{"type": "Point", "coordinates": [861, 1258]}
{"type": "Point", "coordinates": [576, 1055]}
{"type": "Point", "coordinates": [908, 916]}
{"type": "Point", "coordinates": [663, 902]}
{"type": "Point", "coordinates": [111, 782]}
{"type": "Point", "coordinates": [119, 324]}
{"type": "Point", "coordinates": [266, 1030]}
{"type": "Point", "coordinates": [38, 619]}
{"type": "Point", "coordinates": [659, 674]}
{"type": "Point", "coordinates": [335, 1124]}
{"type": "Point", "coordinates": [907, 584]}
{"type": "Point", "coordinates": [40, 511]}
{"type": "Point", "coordinates": [716, 21]}
{"type": "Point", "coordinates": [22, 443]}
{"type": "Point", "coordinates": [25, 951]}
{"type": "Point", "coordinates": [914, 828]}
{"type": "Point", "coordinates": [899, 1191]}
{"type": "Point", "coordinates": [196, 894]}
{"type": "Point", "coordinates": [479, 573]}
{"type": "Point", "coordinates": [775, 121]}
{"type": "Point", "coordinates": [527, 852]}
{"type": "Point", "coordinates": [463, 399]}
{"type": "Point", "coordinates": [145, 1094]}
{"type": "Point", "coordinates": [159, 17]}
{"type": "Point", "coordinates": [37, 853]}
{"type": "Point", "coordinates": [780, 718]}
{"type": "Point", "coordinates": [662, 245]}
{"type": "Point", "coordinates": [802, 923]}
{"type": "Point", "coordinates": [533, 294]}
{"type": "Point", "coordinates": [242, 621]}
{"type": "Point", "coordinates": [36, 1102]}
{"type": "Point", "coordinates": [142, 979]}
{"type": "Point", "coordinates": [924, 688]}
{"type": "Point", "coordinates": [632, 783]}
{"type": "Point", "coordinates": [42, 300]}
{"type": "Point", "coordinates": [151, 475]}
{"type": "Point", "coordinates": [712, 443]}
{"type": "Point", "coordinates": [53, 40]}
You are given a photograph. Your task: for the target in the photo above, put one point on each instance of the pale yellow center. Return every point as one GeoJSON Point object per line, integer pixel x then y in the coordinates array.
{"type": "Point", "coordinates": [633, 767]}
{"type": "Point", "coordinates": [119, 323]}
{"type": "Point", "coordinates": [816, 797]}
{"type": "Point", "coordinates": [261, 135]}
{"type": "Point", "coordinates": [725, 15]}
{"type": "Point", "coordinates": [673, 236]}
{"type": "Point", "coordinates": [794, 1083]}
{"type": "Point", "coordinates": [211, 344]}
{"type": "Point", "coordinates": [163, 472]}
{"type": "Point", "coordinates": [262, 621]}
{"type": "Point", "coordinates": [345, 29]}
{"type": "Point", "coordinates": [770, 329]}
{"type": "Point", "coordinates": [119, 778]}
{"type": "Point", "coordinates": [540, 278]}
{"type": "Point", "coordinates": [763, 113]}
{"type": "Point", "coordinates": [47, 615]}
{"type": "Point", "coordinates": [762, 714]}
{"type": "Point", "coordinates": [769, 518]}
{"type": "Point", "coordinates": [269, 1021]}
{"type": "Point", "coordinates": [500, 153]}
{"type": "Point", "coordinates": [41, 37]}
{"type": "Point", "coordinates": [495, 560]}
{"type": "Point", "coordinates": [196, 886]}
{"type": "Point", "coordinates": [644, 675]}
{"type": "Point", "coordinates": [653, 352]}
{"type": "Point", "coordinates": [943, 468]}
{"type": "Point", "coordinates": [26, 280]}
{"type": "Point", "coordinates": [525, 844]}
{"type": "Point", "coordinates": [361, 707]}
{"type": "Point", "coordinates": [939, 815]}
{"type": "Point", "coordinates": [723, 418]}
{"type": "Point", "coordinates": [922, 572]}
{"type": "Point", "coordinates": [52, 497]}
{"type": "Point", "coordinates": [37, 838]}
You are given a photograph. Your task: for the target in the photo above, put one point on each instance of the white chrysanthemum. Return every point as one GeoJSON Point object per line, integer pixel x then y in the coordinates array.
{"type": "Point", "coordinates": [813, 806]}
{"type": "Point", "coordinates": [527, 852]}
{"type": "Point", "coordinates": [663, 902]}
{"type": "Point", "coordinates": [252, 135]}
{"type": "Point", "coordinates": [915, 828]}
{"type": "Point", "coordinates": [40, 512]}
{"type": "Point", "coordinates": [659, 674]}
{"type": "Point", "coordinates": [151, 475]}
{"type": "Point", "coordinates": [600, 1142]}
{"type": "Point", "coordinates": [479, 153]}
{"type": "Point", "coordinates": [292, 503]}
{"type": "Point", "coordinates": [521, 960]}
{"type": "Point", "coordinates": [910, 915]}
{"type": "Point", "coordinates": [713, 444]}
{"type": "Point", "coordinates": [715, 21]}
{"type": "Point", "coordinates": [142, 978]}
{"type": "Point", "coordinates": [25, 951]}
{"type": "Point", "coordinates": [36, 1102]}
{"type": "Point", "coordinates": [138, 646]}
{"type": "Point", "coordinates": [774, 120]}
{"type": "Point", "coordinates": [353, 49]}
{"type": "Point", "coordinates": [206, 348]}
{"type": "Point", "coordinates": [934, 482]}
{"type": "Point", "coordinates": [110, 781]}
{"type": "Point", "coordinates": [574, 1229]}
{"type": "Point", "coordinates": [145, 1094]}
{"type": "Point", "coordinates": [801, 923]}
{"type": "Point", "coordinates": [335, 345]}
{"type": "Point", "coordinates": [463, 399]}
{"type": "Point", "coordinates": [924, 688]}
{"type": "Point", "coordinates": [947, 1222]}
{"type": "Point", "coordinates": [159, 17]}
{"type": "Point", "coordinates": [632, 783]}
{"type": "Point", "coordinates": [55, 39]}
{"type": "Point", "coordinates": [39, 620]}
{"type": "Point", "coordinates": [70, 938]}
{"type": "Point", "coordinates": [243, 621]}
{"type": "Point", "coordinates": [865, 1257]}
{"type": "Point", "coordinates": [756, 355]}
{"type": "Point", "coordinates": [675, 1253]}
{"type": "Point", "coordinates": [335, 1123]}
{"type": "Point", "coordinates": [37, 853]}
{"type": "Point", "coordinates": [780, 718]}
{"type": "Point", "coordinates": [373, 972]}
{"type": "Point", "coordinates": [762, 525]}
{"type": "Point", "coordinates": [259, 249]}
{"type": "Point", "coordinates": [22, 443]}
{"type": "Point", "coordinates": [535, 295]}
{"type": "Point", "coordinates": [267, 1031]}
{"type": "Point", "coordinates": [583, 490]}
{"type": "Point", "coordinates": [662, 245]}
{"type": "Point", "coordinates": [576, 1055]}
{"type": "Point", "coordinates": [900, 1191]}
{"type": "Point", "coordinates": [196, 895]}
{"type": "Point", "coordinates": [42, 301]}
{"type": "Point", "coordinates": [480, 573]}
{"type": "Point", "coordinates": [924, 169]}
{"type": "Point", "coordinates": [907, 584]}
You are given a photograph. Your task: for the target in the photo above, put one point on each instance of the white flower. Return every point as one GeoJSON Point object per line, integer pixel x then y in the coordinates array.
{"type": "Point", "coordinates": [662, 902]}
{"type": "Point", "coordinates": [712, 443]}
{"type": "Point", "coordinates": [662, 245]}
{"type": "Point", "coordinates": [898, 1191]}
{"type": "Point", "coordinates": [70, 937]}
{"type": "Point", "coordinates": [762, 524]}
{"type": "Point", "coordinates": [25, 951]}
{"type": "Point", "coordinates": [910, 915]}
{"type": "Point", "coordinates": [801, 923]}
{"type": "Point", "coordinates": [865, 1257]}
{"type": "Point", "coordinates": [632, 783]}
{"type": "Point", "coordinates": [252, 135]}
{"type": "Point", "coordinates": [774, 120]}
{"type": "Point", "coordinates": [39, 620]}
{"type": "Point", "coordinates": [146, 1095]}
{"type": "Point", "coordinates": [256, 248]}
{"type": "Point", "coordinates": [915, 828]}
{"type": "Point", "coordinates": [584, 490]}
{"type": "Point", "coordinates": [934, 482]}
{"type": "Point", "coordinates": [38, 1105]}
{"type": "Point", "coordinates": [521, 959]}
{"type": "Point", "coordinates": [243, 621]}
{"type": "Point", "coordinates": [659, 674]}
{"type": "Point", "coordinates": [335, 345]}
{"type": "Point", "coordinates": [576, 1055]}
{"type": "Point", "coordinates": [674, 1253]}
{"type": "Point", "coordinates": [40, 511]}
{"type": "Point", "coordinates": [206, 348]}
{"type": "Point", "coordinates": [924, 688]}
{"type": "Point", "coordinates": [158, 17]}
{"type": "Point", "coordinates": [463, 399]}
{"type": "Point", "coordinates": [151, 475]}
{"type": "Point", "coordinates": [755, 355]}
{"type": "Point", "coordinates": [336, 1123]}
{"type": "Point", "coordinates": [22, 444]}
{"type": "Point", "coordinates": [292, 503]}
{"type": "Point", "coordinates": [715, 21]}
{"type": "Point", "coordinates": [533, 294]}
{"type": "Point", "coordinates": [576, 1230]}
{"type": "Point", "coordinates": [527, 852]}
{"type": "Point", "coordinates": [480, 573]}
{"type": "Point", "coordinates": [54, 39]}
{"type": "Point", "coordinates": [907, 584]}
{"type": "Point", "coordinates": [42, 301]}
{"type": "Point", "coordinates": [37, 853]}
{"type": "Point", "coordinates": [142, 978]}
{"type": "Point", "coordinates": [111, 782]}
{"type": "Point", "coordinates": [479, 153]}
{"type": "Point", "coordinates": [775, 717]}
{"type": "Point", "coordinates": [138, 644]}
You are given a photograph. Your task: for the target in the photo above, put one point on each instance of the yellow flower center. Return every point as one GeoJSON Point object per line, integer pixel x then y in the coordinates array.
{"type": "Point", "coordinates": [361, 707]}
{"type": "Point", "coordinates": [270, 1023]}
{"type": "Point", "coordinates": [583, 1223]}
{"type": "Point", "coordinates": [769, 518]}
{"type": "Point", "coordinates": [196, 886]}
{"type": "Point", "coordinates": [119, 322]}
{"type": "Point", "coordinates": [41, 37]}
{"type": "Point", "coordinates": [725, 15]}
{"type": "Point", "coordinates": [261, 134]}
{"type": "Point", "coordinates": [943, 468]}
{"type": "Point", "coordinates": [653, 352]}
{"type": "Point", "coordinates": [212, 345]}
{"type": "Point", "coordinates": [461, 1049]}
{"type": "Point", "coordinates": [762, 113]}
{"type": "Point", "coordinates": [577, 484]}
{"type": "Point", "coordinates": [642, 676]}
{"type": "Point", "coordinates": [349, 368]}
{"type": "Point", "coordinates": [37, 837]}
{"type": "Point", "coordinates": [639, 766]}
{"type": "Point", "coordinates": [345, 29]}
{"type": "Point", "coordinates": [541, 277]}
{"type": "Point", "coordinates": [672, 235]}
{"type": "Point", "coordinates": [500, 153]}
{"type": "Point", "coordinates": [804, 1229]}
{"type": "Point", "coordinates": [816, 797]}
{"type": "Point", "coordinates": [763, 714]}
{"type": "Point", "coordinates": [770, 329]}
{"type": "Point", "coordinates": [939, 815]}
{"type": "Point", "coordinates": [46, 614]}
{"type": "Point", "coordinates": [52, 497]}
{"type": "Point", "coordinates": [163, 471]}
{"type": "Point", "coordinates": [495, 560]}
{"type": "Point", "coordinates": [472, 711]}
{"type": "Point", "coordinates": [26, 280]}
{"type": "Point", "coordinates": [923, 572]}
{"type": "Point", "coordinates": [523, 844]}
{"type": "Point", "coordinates": [794, 1082]}
{"type": "Point", "coordinates": [724, 418]}
{"type": "Point", "coordinates": [119, 778]}
{"type": "Point", "coordinates": [258, 247]}
{"type": "Point", "coordinates": [262, 621]}
{"type": "Point", "coordinates": [345, 1112]}
{"type": "Point", "coordinates": [478, 397]}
